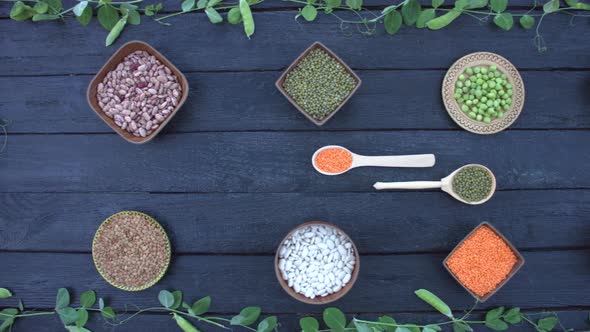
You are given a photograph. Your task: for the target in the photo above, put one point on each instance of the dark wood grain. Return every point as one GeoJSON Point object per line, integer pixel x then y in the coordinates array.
{"type": "Point", "coordinates": [57, 104]}
{"type": "Point", "coordinates": [575, 319]}
{"type": "Point", "coordinates": [280, 162]}
{"type": "Point", "coordinates": [385, 283]}
{"type": "Point", "coordinates": [195, 45]}
{"type": "Point", "coordinates": [232, 223]}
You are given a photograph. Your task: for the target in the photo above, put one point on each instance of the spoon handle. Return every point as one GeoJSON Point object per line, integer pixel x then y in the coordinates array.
{"type": "Point", "coordinates": [417, 160]}
{"type": "Point", "coordinates": [408, 185]}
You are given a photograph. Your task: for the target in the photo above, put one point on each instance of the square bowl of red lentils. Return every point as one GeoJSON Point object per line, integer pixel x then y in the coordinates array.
{"type": "Point", "coordinates": [483, 262]}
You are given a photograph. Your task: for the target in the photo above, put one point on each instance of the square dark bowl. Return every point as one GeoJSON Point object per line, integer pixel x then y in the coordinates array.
{"type": "Point", "coordinates": [295, 63]}
{"type": "Point", "coordinates": [110, 65]}
{"type": "Point", "coordinates": [519, 262]}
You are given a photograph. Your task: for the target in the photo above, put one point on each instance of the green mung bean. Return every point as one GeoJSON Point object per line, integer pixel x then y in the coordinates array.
{"type": "Point", "coordinates": [488, 93]}
{"type": "Point", "coordinates": [319, 84]}
{"type": "Point", "coordinates": [472, 183]}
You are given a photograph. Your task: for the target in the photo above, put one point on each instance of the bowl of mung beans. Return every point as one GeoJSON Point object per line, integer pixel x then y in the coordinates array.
{"type": "Point", "coordinates": [318, 83]}
{"type": "Point", "coordinates": [483, 93]}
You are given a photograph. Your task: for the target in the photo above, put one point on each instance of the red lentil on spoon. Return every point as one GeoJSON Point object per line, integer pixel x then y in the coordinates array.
{"type": "Point", "coordinates": [139, 94]}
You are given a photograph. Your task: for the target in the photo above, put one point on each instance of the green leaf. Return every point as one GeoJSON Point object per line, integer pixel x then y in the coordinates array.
{"type": "Point", "coordinates": [166, 298]}
{"type": "Point", "coordinates": [249, 26]}
{"type": "Point", "coordinates": [5, 293]}
{"type": "Point", "coordinates": [309, 13]}
{"type": "Point", "coordinates": [133, 17]}
{"type": "Point", "coordinates": [77, 329]}
{"type": "Point", "coordinates": [7, 313]}
{"type": "Point", "coordinates": [333, 3]}
{"type": "Point", "coordinates": [21, 12]}
{"type": "Point", "coordinates": [201, 4]}
{"type": "Point", "coordinates": [187, 5]}
{"type": "Point", "coordinates": [309, 324]}
{"type": "Point", "coordinates": [177, 299]}
{"type": "Point", "coordinates": [114, 34]}
{"type": "Point", "coordinates": [354, 4]}
{"type": "Point", "coordinates": [246, 317]}
{"type": "Point", "coordinates": [547, 323]}
{"type": "Point", "coordinates": [108, 313]}
{"type": "Point", "coordinates": [79, 8]}
{"type": "Point", "coordinates": [424, 17]}
{"type": "Point", "coordinates": [88, 299]}
{"type": "Point", "coordinates": [431, 328]}
{"type": "Point", "coordinates": [496, 325]}
{"type": "Point", "coordinates": [434, 302]}
{"type": "Point", "coordinates": [42, 7]}
{"type": "Point", "coordinates": [21, 306]}
{"type": "Point", "coordinates": [201, 306]}
{"type": "Point", "coordinates": [213, 3]}
{"type": "Point", "coordinates": [527, 21]}
{"type": "Point", "coordinates": [100, 303]}
{"type": "Point", "coordinates": [6, 324]}
{"type": "Point", "coordinates": [504, 21]}
{"type": "Point", "coordinates": [513, 316]}
{"type": "Point", "coordinates": [108, 17]}
{"type": "Point", "coordinates": [402, 329]}
{"type": "Point", "coordinates": [362, 327]}
{"type": "Point", "coordinates": [45, 17]}
{"type": "Point", "coordinates": [267, 325]}
{"type": "Point", "coordinates": [461, 327]}
{"type": "Point", "coordinates": [63, 298]}
{"type": "Point", "coordinates": [494, 313]}
{"type": "Point", "coordinates": [437, 3]}
{"type": "Point", "coordinates": [578, 5]}
{"type": "Point", "coordinates": [498, 5]}
{"type": "Point", "coordinates": [213, 15]}
{"type": "Point", "coordinates": [86, 16]}
{"type": "Point", "coordinates": [68, 315]}
{"type": "Point", "coordinates": [392, 22]}
{"type": "Point", "coordinates": [55, 6]}
{"type": "Point", "coordinates": [410, 12]}
{"type": "Point", "coordinates": [387, 320]}
{"type": "Point", "coordinates": [551, 6]}
{"type": "Point", "coordinates": [333, 317]}
{"type": "Point", "coordinates": [82, 317]}
{"type": "Point", "coordinates": [234, 16]}
{"type": "Point", "coordinates": [443, 20]}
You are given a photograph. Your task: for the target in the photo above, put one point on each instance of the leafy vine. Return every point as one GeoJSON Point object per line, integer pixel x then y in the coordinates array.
{"type": "Point", "coordinates": [114, 16]}
{"type": "Point", "coordinates": [75, 318]}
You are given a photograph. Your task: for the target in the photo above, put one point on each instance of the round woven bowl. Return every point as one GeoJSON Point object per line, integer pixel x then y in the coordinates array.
{"type": "Point", "coordinates": [325, 299]}
{"type": "Point", "coordinates": [151, 220]}
{"type": "Point", "coordinates": [460, 117]}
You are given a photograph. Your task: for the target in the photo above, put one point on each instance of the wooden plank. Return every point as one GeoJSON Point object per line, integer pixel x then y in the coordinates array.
{"type": "Point", "coordinates": [575, 319]}
{"type": "Point", "coordinates": [280, 162]}
{"type": "Point", "coordinates": [386, 282]}
{"type": "Point", "coordinates": [196, 45]}
{"type": "Point", "coordinates": [200, 223]}
{"type": "Point", "coordinates": [415, 102]}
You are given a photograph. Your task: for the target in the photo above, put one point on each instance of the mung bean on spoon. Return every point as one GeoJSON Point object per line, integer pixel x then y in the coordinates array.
{"type": "Point", "coordinates": [335, 160]}
{"type": "Point", "coordinates": [465, 184]}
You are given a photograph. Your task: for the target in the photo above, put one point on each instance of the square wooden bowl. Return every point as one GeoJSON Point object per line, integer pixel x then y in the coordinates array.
{"type": "Point", "coordinates": [281, 81]}
{"type": "Point", "coordinates": [515, 268]}
{"type": "Point", "coordinates": [110, 65]}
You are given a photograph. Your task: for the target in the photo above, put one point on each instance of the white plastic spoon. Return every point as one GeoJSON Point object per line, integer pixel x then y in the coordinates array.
{"type": "Point", "coordinates": [446, 184]}
{"type": "Point", "coordinates": [417, 160]}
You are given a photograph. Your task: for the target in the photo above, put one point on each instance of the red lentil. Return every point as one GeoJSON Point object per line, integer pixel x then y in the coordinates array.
{"type": "Point", "coordinates": [482, 261]}
{"type": "Point", "coordinates": [333, 160]}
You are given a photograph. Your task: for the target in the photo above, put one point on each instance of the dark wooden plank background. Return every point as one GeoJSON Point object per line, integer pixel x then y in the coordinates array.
{"type": "Point", "coordinates": [230, 175]}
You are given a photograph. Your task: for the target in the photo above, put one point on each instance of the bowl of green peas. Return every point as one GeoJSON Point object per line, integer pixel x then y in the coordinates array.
{"type": "Point", "coordinates": [483, 93]}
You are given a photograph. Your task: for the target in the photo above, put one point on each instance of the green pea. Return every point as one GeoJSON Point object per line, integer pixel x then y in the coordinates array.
{"type": "Point", "coordinates": [473, 78]}
{"type": "Point", "coordinates": [508, 86]}
{"type": "Point", "coordinates": [465, 108]}
{"type": "Point", "coordinates": [493, 68]}
{"type": "Point", "coordinates": [492, 84]}
{"type": "Point", "coordinates": [477, 70]}
{"type": "Point", "coordinates": [459, 84]}
{"type": "Point", "coordinates": [469, 71]}
{"type": "Point", "coordinates": [484, 70]}
{"type": "Point", "coordinates": [484, 99]}
{"type": "Point", "coordinates": [500, 114]}
{"type": "Point", "coordinates": [484, 86]}
{"type": "Point", "coordinates": [472, 115]}
{"type": "Point", "coordinates": [487, 119]}
{"type": "Point", "coordinates": [509, 92]}
{"type": "Point", "coordinates": [478, 75]}
{"type": "Point", "coordinates": [479, 117]}
{"type": "Point", "coordinates": [469, 103]}
{"type": "Point", "coordinates": [490, 103]}
{"type": "Point", "coordinates": [506, 107]}
{"type": "Point", "coordinates": [462, 77]}
{"type": "Point", "coordinates": [467, 83]}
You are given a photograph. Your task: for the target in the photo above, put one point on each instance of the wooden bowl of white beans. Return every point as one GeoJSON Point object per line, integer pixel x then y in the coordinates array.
{"type": "Point", "coordinates": [317, 263]}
